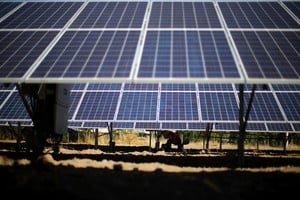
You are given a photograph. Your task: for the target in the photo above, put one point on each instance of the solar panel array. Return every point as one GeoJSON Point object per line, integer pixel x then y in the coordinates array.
{"type": "Point", "coordinates": [162, 43]}
{"type": "Point", "coordinates": [169, 106]}
{"type": "Point", "coordinates": [153, 41]}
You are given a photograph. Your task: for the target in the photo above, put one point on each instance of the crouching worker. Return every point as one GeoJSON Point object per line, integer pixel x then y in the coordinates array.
{"type": "Point", "coordinates": [172, 138]}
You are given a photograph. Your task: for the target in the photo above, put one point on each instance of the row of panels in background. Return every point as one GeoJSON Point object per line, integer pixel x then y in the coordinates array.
{"type": "Point", "coordinates": [276, 108]}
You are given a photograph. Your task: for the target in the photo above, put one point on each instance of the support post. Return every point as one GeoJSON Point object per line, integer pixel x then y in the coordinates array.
{"type": "Point", "coordinates": [96, 138]}
{"type": "Point", "coordinates": [110, 132]}
{"type": "Point", "coordinates": [243, 121]}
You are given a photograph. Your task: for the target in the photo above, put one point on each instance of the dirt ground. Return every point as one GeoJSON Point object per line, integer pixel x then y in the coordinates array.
{"type": "Point", "coordinates": [142, 174]}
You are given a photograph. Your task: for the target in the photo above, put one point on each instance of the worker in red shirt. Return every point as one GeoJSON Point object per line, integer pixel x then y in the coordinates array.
{"type": "Point", "coordinates": [172, 138]}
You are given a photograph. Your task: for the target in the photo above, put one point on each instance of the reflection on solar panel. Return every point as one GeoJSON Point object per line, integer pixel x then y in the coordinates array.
{"type": "Point", "coordinates": [183, 15]}
{"type": "Point", "coordinates": [41, 15]}
{"type": "Point", "coordinates": [187, 54]}
{"type": "Point", "coordinates": [19, 50]}
{"type": "Point", "coordinates": [273, 55]}
{"type": "Point", "coordinates": [91, 54]}
{"type": "Point", "coordinates": [256, 15]}
{"type": "Point", "coordinates": [6, 7]}
{"type": "Point", "coordinates": [111, 15]}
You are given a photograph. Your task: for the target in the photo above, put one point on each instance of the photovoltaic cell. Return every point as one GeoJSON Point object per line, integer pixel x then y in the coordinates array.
{"type": "Point", "coordinates": [138, 106]}
{"type": "Point", "coordinates": [218, 106]}
{"type": "Point", "coordinates": [111, 15]}
{"type": "Point", "coordinates": [294, 6]}
{"type": "Point", "coordinates": [6, 7]}
{"type": "Point", "coordinates": [183, 15]}
{"type": "Point", "coordinates": [264, 107]}
{"type": "Point", "coordinates": [98, 106]}
{"type": "Point", "coordinates": [273, 55]}
{"type": "Point", "coordinates": [193, 54]}
{"type": "Point", "coordinates": [256, 15]}
{"type": "Point", "coordinates": [41, 15]}
{"type": "Point", "coordinates": [290, 103]}
{"type": "Point", "coordinates": [90, 54]}
{"type": "Point", "coordinates": [19, 50]}
{"type": "Point", "coordinates": [178, 106]}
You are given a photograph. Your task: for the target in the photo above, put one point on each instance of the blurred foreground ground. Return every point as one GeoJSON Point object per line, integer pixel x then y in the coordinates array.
{"type": "Point", "coordinates": [96, 174]}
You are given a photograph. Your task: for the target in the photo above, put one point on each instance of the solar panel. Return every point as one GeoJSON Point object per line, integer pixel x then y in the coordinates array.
{"type": "Point", "coordinates": [262, 111]}
{"type": "Point", "coordinates": [141, 86]}
{"type": "Point", "coordinates": [230, 126]}
{"type": "Point", "coordinates": [20, 49]}
{"type": "Point", "coordinates": [104, 86]}
{"type": "Point", "coordinates": [290, 103]}
{"type": "Point", "coordinates": [218, 106]}
{"type": "Point", "coordinates": [178, 87]}
{"type": "Point", "coordinates": [215, 87]}
{"type": "Point", "coordinates": [92, 54]}
{"type": "Point", "coordinates": [138, 106]}
{"type": "Point", "coordinates": [95, 124]}
{"type": "Point", "coordinates": [294, 6]}
{"type": "Point", "coordinates": [41, 15]}
{"type": "Point", "coordinates": [173, 125]}
{"type": "Point", "coordinates": [178, 106]}
{"type": "Point", "coordinates": [6, 7]}
{"type": "Point", "coordinates": [187, 54]}
{"type": "Point", "coordinates": [256, 15]}
{"type": "Point", "coordinates": [142, 52]}
{"type": "Point", "coordinates": [183, 15]}
{"type": "Point", "coordinates": [286, 87]}
{"type": "Point", "coordinates": [147, 125]}
{"type": "Point", "coordinates": [279, 127]}
{"type": "Point", "coordinates": [111, 15]}
{"type": "Point", "coordinates": [269, 54]}
{"type": "Point", "coordinates": [98, 106]}
{"type": "Point", "coordinates": [296, 126]}
{"type": "Point", "coordinates": [257, 127]}
{"type": "Point", "coordinates": [75, 98]}
{"type": "Point", "coordinates": [14, 109]}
